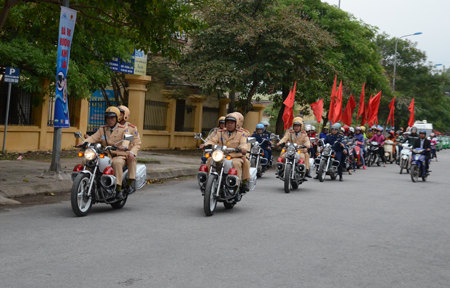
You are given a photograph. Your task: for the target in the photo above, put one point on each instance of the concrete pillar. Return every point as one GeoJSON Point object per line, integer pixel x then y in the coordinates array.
{"type": "Point", "coordinates": [42, 117]}
{"type": "Point", "coordinates": [254, 117]}
{"type": "Point", "coordinates": [259, 108]}
{"type": "Point", "coordinates": [136, 100]}
{"type": "Point", "coordinates": [171, 113]}
{"type": "Point", "coordinates": [197, 101]}
{"type": "Point", "coordinates": [223, 106]}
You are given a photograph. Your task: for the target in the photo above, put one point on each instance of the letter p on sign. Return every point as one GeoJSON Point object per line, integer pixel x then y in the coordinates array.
{"type": "Point", "coordinates": [12, 71]}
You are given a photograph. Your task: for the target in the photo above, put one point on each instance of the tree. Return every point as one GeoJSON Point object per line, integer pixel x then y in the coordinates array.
{"type": "Point", "coordinates": [415, 78]}
{"type": "Point", "coordinates": [104, 29]}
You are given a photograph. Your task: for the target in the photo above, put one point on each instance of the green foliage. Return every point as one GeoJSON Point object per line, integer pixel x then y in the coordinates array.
{"type": "Point", "coordinates": [28, 39]}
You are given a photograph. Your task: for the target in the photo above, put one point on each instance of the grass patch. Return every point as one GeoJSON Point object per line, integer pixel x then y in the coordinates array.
{"type": "Point", "coordinates": [148, 161]}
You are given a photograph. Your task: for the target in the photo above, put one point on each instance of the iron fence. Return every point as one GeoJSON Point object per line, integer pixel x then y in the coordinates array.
{"type": "Point", "coordinates": [51, 111]}
{"type": "Point", "coordinates": [184, 118]}
{"type": "Point", "coordinates": [155, 115]}
{"type": "Point", "coordinates": [19, 106]}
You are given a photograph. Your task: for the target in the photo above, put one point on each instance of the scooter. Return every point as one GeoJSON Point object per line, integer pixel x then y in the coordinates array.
{"type": "Point", "coordinates": [418, 168]}
{"type": "Point", "coordinates": [389, 151]}
{"type": "Point", "coordinates": [405, 157]}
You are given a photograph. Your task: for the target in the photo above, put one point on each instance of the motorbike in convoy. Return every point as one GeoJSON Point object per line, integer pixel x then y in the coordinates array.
{"type": "Point", "coordinates": [95, 182]}
{"type": "Point", "coordinates": [353, 147]}
{"type": "Point", "coordinates": [418, 167]}
{"type": "Point", "coordinates": [373, 156]}
{"type": "Point", "coordinates": [257, 159]}
{"type": "Point", "coordinates": [405, 158]}
{"type": "Point", "coordinates": [292, 169]}
{"type": "Point", "coordinates": [221, 183]}
{"type": "Point", "coordinates": [389, 151]}
{"type": "Point", "coordinates": [325, 162]}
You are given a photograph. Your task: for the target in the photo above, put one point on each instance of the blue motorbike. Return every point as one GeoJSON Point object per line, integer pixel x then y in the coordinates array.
{"type": "Point", "coordinates": [418, 168]}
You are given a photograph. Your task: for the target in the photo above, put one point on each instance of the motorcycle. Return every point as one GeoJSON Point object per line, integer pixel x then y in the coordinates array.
{"type": "Point", "coordinates": [418, 168]}
{"type": "Point", "coordinates": [292, 169]}
{"type": "Point", "coordinates": [352, 150]}
{"type": "Point", "coordinates": [372, 154]}
{"type": "Point", "coordinates": [94, 182]}
{"type": "Point", "coordinates": [221, 183]}
{"type": "Point", "coordinates": [256, 158]}
{"type": "Point", "coordinates": [405, 157]}
{"type": "Point", "coordinates": [389, 151]}
{"type": "Point", "coordinates": [326, 163]}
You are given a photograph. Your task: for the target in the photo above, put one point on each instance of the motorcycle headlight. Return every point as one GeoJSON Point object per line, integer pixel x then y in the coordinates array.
{"type": "Point", "coordinates": [89, 154]}
{"type": "Point", "coordinates": [217, 156]}
{"type": "Point", "coordinates": [291, 150]}
{"type": "Point", "coordinates": [255, 150]}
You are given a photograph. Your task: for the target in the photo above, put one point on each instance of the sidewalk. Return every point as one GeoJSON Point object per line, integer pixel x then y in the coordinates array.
{"type": "Point", "coordinates": [25, 177]}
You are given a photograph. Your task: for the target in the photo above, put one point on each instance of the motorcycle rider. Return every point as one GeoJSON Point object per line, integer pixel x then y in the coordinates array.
{"type": "Point", "coordinates": [260, 135]}
{"type": "Point", "coordinates": [423, 143]}
{"type": "Point", "coordinates": [240, 127]}
{"type": "Point", "coordinates": [434, 141]}
{"type": "Point", "coordinates": [135, 146]}
{"type": "Point", "coordinates": [213, 132]}
{"type": "Point", "coordinates": [108, 135]}
{"type": "Point", "coordinates": [412, 136]}
{"type": "Point", "coordinates": [339, 147]}
{"type": "Point", "coordinates": [232, 137]}
{"type": "Point", "coordinates": [370, 133]}
{"type": "Point", "coordinates": [363, 132]}
{"type": "Point", "coordinates": [393, 138]}
{"type": "Point", "coordinates": [324, 133]}
{"type": "Point", "coordinates": [299, 136]}
{"type": "Point", "coordinates": [269, 150]}
{"type": "Point", "coordinates": [380, 139]}
{"type": "Point", "coordinates": [360, 138]}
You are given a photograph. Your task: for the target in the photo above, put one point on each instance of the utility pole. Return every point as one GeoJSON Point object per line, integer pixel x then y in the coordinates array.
{"type": "Point", "coordinates": [55, 166]}
{"type": "Point", "coordinates": [339, 4]}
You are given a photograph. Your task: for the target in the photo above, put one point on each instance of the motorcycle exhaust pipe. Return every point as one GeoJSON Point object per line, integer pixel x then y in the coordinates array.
{"type": "Point", "coordinates": [108, 182]}
{"type": "Point", "coordinates": [232, 181]}
{"type": "Point", "coordinates": [300, 168]}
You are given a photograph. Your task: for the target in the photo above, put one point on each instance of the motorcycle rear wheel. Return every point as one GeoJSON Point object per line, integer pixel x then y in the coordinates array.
{"type": "Point", "coordinates": [322, 173]}
{"type": "Point", "coordinates": [209, 200]}
{"type": "Point", "coordinates": [369, 160]}
{"type": "Point", "coordinates": [414, 173]}
{"type": "Point", "coordinates": [287, 179]}
{"type": "Point", "coordinates": [81, 204]}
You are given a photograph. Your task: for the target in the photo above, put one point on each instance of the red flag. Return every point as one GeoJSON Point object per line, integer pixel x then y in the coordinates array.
{"type": "Point", "coordinates": [348, 112]}
{"type": "Point", "coordinates": [338, 105]}
{"type": "Point", "coordinates": [361, 104]}
{"type": "Point", "coordinates": [317, 108]}
{"type": "Point", "coordinates": [364, 116]}
{"type": "Point", "coordinates": [333, 95]}
{"type": "Point", "coordinates": [411, 116]}
{"type": "Point", "coordinates": [288, 115]}
{"type": "Point", "coordinates": [374, 104]}
{"type": "Point", "coordinates": [391, 112]}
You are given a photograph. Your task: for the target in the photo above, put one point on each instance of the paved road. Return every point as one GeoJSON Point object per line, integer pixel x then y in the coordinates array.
{"type": "Point", "coordinates": [376, 229]}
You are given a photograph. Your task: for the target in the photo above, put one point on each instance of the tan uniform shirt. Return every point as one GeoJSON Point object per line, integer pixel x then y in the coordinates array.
{"type": "Point", "coordinates": [301, 139]}
{"type": "Point", "coordinates": [135, 145]}
{"type": "Point", "coordinates": [231, 141]}
{"type": "Point", "coordinates": [105, 137]}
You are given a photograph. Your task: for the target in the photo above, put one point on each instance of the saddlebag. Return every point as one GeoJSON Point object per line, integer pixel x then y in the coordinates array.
{"type": "Point", "coordinates": [252, 181]}
{"type": "Point", "coordinates": [141, 176]}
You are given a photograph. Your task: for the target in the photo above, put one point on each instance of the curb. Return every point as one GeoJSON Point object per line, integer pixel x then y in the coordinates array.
{"type": "Point", "coordinates": [172, 173]}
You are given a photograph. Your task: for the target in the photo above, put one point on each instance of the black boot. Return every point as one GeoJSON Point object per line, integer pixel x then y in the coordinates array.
{"type": "Point", "coordinates": [119, 194]}
{"type": "Point", "coordinates": [340, 179]}
{"type": "Point", "coordinates": [307, 174]}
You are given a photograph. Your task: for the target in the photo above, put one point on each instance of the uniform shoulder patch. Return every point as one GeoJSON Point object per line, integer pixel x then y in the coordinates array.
{"type": "Point", "coordinates": [221, 130]}
{"type": "Point", "coordinates": [121, 126]}
{"type": "Point", "coordinates": [131, 125]}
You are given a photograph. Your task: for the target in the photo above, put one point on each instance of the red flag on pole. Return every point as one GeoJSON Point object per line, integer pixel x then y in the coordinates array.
{"type": "Point", "coordinates": [288, 115]}
{"type": "Point", "coordinates": [317, 108]}
{"type": "Point", "coordinates": [348, 112]}
{"type": "Point", "coordinates": [333, 95]}
{"type": "Point", "coordinates": [391, 112]}
{"type": "Point", "coordinates": [361, 104]}
{"type": "Point", "coordinates": [411, 115]}
{"type": "Point", "coordinates": [374, 104]}
{"type": "Point", "coordinates": [364, 116]}
{"type": "Point", "coordinates": [338, 105]}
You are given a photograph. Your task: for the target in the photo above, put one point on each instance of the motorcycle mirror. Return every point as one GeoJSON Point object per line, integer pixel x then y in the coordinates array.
{"type": "Point", "coordinates": [251, 140]}
{"type": "Point", "coordinates": [197, 136]}
{"type": "Point", "coordinates": [77, 135]}
{"type": "Point", "coordinates": [128, 137]}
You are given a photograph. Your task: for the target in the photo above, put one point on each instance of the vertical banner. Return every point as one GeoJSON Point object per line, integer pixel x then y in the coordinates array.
{"type": "Point", "coordinates": [66, 28]}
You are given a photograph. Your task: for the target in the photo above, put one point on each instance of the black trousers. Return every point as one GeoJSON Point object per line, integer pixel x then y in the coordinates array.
{"type": "Point", "coordinates": [381, 152]}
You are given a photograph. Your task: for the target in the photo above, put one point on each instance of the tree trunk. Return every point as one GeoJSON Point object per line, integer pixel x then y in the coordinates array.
{"type": "Point", "coordinates": [5, 11]}
{"type": "Point", "coordinates": [232, 99]}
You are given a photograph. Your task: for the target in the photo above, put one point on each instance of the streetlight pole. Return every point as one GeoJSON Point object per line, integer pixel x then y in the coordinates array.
{"type": "Point", "coordinates": [55, 166]}
{"type": "Point", "coordinates": [339, 4]}
{"type": "Point", "coordinates": [395, 56]}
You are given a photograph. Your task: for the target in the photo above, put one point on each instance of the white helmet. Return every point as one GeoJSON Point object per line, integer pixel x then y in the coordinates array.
{"type": "Point", "coordinates": [352, 129]}
{"type": "Point", "coordinates": [265, 123]}
{"type": "Point", "coordinates": [313, 128]}
{"type": "Point", "coordinates": [308, 127]}
{"type": "Point", "coordinates": [342, 129]}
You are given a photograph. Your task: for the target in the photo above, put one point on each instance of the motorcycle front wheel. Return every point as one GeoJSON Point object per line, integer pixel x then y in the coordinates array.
{"type": "Point", "coordinates": [414, 173]}
{"type": "Point", "coordinates": [81, 203]}
{"type": "Point", "coordinates": [322, 172]}
{"type": "Point", "coordinates": [287, 179]}
{"type": "Point", "coordinates": [369, 160]}
{"type": "Point", "coordinates": [210, 200]}
{"type": "Point", "coordinates": [402, 164]}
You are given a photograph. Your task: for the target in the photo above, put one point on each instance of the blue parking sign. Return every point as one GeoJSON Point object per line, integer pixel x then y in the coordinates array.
{"type": "Point", "coordinates": [12, 75]}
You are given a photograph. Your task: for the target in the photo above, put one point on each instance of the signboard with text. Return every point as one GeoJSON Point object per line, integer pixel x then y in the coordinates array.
{"type": "Point", "coordinates": [12, 75]}
{"type": "Point", "coordinates": [66, 28]}
{"type": "Point", "coordinates": [137, 66]}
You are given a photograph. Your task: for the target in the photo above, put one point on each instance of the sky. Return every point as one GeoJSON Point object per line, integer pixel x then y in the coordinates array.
{"type": "Point", "coordinates": [402, 17]}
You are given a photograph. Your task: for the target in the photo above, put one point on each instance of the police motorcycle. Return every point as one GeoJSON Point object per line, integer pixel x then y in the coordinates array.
{"type": "Point", "coordinates": [373, 156]}
{"type": "Point", "coordinates": [221, 183]}
{"type": "Point", "coordinates": [256, 158]}
{"type": "Point", "coordinates": [325, 162]}
{"type": "Point", "coordinates": [418, 167]}
{"type": "Point", "coordinates": [95, 181]}
{"type": "Point", "coordinates": [291, 170]}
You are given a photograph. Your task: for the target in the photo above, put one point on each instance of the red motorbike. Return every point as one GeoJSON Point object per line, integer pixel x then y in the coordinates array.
{"type": "Point", "coordinates": [355, 154]}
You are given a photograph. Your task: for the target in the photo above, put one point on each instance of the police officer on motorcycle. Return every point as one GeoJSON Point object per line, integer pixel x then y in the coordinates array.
{"type": "Point", "coordinates": [337, 141]}
{"type": "Point", "coordinates": [108, 135]}
{"type": "Point", "coordinates": [213, 132]}
{"type": "Point", "coordinates": [260, 134]}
